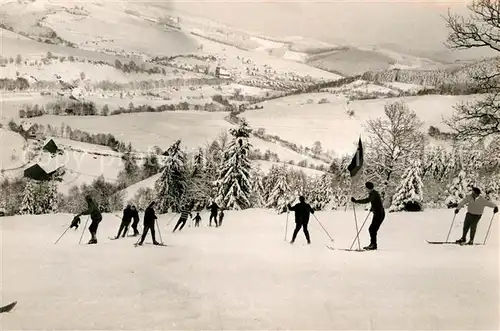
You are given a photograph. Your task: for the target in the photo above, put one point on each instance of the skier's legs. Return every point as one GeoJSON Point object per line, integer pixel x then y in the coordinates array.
{"type": "Point", "coordinates": [153, 234]}
{"type": "Point", "coordinates": [374, 227]}
{"type": "Point", "coordinates": [467, 225]}
{"type": "Point", "coordinates": [125, 230]}
{"type": "Point", "coordinates": [144, 232]}
{"type": "Point", "coordinates": [93, 229]}
{"type": "Point", "coordinates": [296, 231]}
{"type": "Point", "coordinates": [214, 217]}
{"type": "Point", "coordinates": [306, 232]}
{"type": "Point", "coordinates": [177, 224]}
{"type": "Point", "coordinates": [473, 226]}
{"type": "Point", "coordinates": [122, 227]}
{"type": "Point", "coordinates": [134, 227]}
{"type": "Point", "coordinates": [182, 224]}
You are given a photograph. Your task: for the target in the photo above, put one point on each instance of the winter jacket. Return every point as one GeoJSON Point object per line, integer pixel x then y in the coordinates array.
{"type": "Point", "coordinates": [475, 206]}
{"type": "Point", "coordinates": [128, 213]}
{"type": "Point", "coordinates": [302, 211]}
{"type": "Point", "coordinates": [135, 216]}
{"type": "Point", "coordinates": [185, 213]}
{"type": "Point", "coordinates": [214, 208]}
{"type": "Point", "coordinates": [377, 207]}
{"type": "Point", "coordinates": [149, 216]}
{"type": "Point", "coordinates": [93, 211]}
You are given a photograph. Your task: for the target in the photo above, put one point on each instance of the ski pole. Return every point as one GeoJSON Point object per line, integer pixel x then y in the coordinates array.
{"type": "Point", "coordinates": [323, 228]}
{"type": "Point", "coordinates": [159, 232]}
{"type": "Point", "coordinates": [357, 230]}
{"type": "Point", "coordinates": [489, 227]}
{"type": "Point", "coordinates": [286, 224]}
{"type": "Point", "coordinates": [357, 235]}
{"type": "Point", "coordinates": [69, 227]}
{"type": "Point", "coordinates": [168, 224]}
{"type": "Point", "coordinates": [451, 226]}
{"type": "Point", "coordinates": [83, 231]}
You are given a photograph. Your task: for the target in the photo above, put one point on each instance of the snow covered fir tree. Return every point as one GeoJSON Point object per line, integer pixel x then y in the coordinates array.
{"type": "Point", "coordinates": [458, 189]}
{"type": "Point", "coordinates": [234, 183]}
{"type": "Point", "coordinates": [409, 193]}
{"type": "Point", "coordinates": [172, 184]}
{"type": "Point", "coordinates": [280, 193]}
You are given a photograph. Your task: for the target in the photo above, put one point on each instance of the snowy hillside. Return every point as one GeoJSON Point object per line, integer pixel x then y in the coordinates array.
{"type": "Point", "coordinates": [244, 276]}
{"type": "Point", "coordinates": [330, 124]}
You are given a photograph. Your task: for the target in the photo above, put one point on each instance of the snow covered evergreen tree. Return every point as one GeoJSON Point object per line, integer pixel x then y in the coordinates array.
{"type": "Point", "coordinates": [51, 198]}
{"type": "Point", "coordinates": [279, 190]}
{"type": "Point", "coordinates": [258, 193]}
{"type": "Point", "coordinates": [172, 184]}
{"type": "Point", "coordinates": [234, 181]}
{"type": "Point", "coordinates": [29, 204]}
{"type": "Point", "coordinates": [409, 194]}
{"type": "Point", "coordinates": [459, 188]}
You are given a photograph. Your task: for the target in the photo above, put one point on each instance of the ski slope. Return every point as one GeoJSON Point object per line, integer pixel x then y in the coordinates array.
{"type": "Point", "coordinates": [245, 276]}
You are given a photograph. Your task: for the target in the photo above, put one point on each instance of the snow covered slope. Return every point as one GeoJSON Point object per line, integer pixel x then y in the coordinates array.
{"type": "Point", "coordinates": [244, 276]}
{"type": "Point", "coordinates": [330, 124]}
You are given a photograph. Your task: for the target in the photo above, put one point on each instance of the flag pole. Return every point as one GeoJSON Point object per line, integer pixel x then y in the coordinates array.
{"type": "Point", "coordinates": [353, 168]}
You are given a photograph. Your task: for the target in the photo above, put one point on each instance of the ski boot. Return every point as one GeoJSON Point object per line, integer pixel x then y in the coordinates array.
{"type": "Point", "coordinates": [460, 241]}
{"type": "Point", "coordinates": [370, 247]}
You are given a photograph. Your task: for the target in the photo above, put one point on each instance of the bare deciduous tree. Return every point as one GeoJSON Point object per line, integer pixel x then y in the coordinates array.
{"type": "Point", "coordinates": [394, 140]}
{"type": "Point", "coordinates": [480, 118]}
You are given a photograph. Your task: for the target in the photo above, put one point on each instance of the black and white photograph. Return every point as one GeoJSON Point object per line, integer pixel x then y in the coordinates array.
{"type": "Point", "coordinates": [249, 165]}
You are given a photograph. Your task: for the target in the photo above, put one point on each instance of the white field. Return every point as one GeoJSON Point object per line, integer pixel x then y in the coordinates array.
{"type": "Point", "coordinates": [70, 71]}
{"type": "Point", "coordinates": [10, 103]}
{"type": "Point", "coordinates": [97, 32]}
{"type": "Point", "coordinates": [330, 124]}
{"type": "Point", "coordinates": [12, 151]}
{"type": "Point", "coordinates": [145, 130]}
{"type": "Point", "coordinates": [245, 276]}
{"type": "Point", "coordinates": [132, 190]}
{"type": "Point", "coordinates": [265, 166]}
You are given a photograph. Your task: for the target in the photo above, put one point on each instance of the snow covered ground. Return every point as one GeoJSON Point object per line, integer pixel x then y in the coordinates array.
{"type": "Point", "coordinates": [244, 276]}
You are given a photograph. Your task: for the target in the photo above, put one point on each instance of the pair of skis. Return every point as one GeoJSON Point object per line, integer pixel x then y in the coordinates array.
{"type": "Point", "coordinates": [450, 243]}
{"type": "Point", "coordinates": [347, 249]}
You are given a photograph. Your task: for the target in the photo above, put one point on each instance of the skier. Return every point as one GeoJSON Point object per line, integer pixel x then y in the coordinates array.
{"type": "Point", "coordinates": [213, 213]}
{"type": "Point", "coordinates": [377, 208]}
{"type": "Point", "coordinates": [185, 212]}
{"type": "Point", "coordinates": [126, 218]}
{"type": "Point", "coordinates": [135, 217]}
{"type": "Point", "coordinates": [197, 220]}
{"type": "Point", "coordinates": [302, 211]}
{"type": "Point", "coordinates": [95, 216]}
{"type": "Point", "coordinates": [149, 224]}
{"type": "Point", "coordinates": [475, 206]}
{"type": "Point", "coordinates": [221, 216]}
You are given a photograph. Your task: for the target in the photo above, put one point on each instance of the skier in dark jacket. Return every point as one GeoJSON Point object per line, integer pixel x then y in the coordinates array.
{"type": "Point", "coordinates": [185, 212]}
{"type": "Point", "coordinates": [95, 216]}
{"type": "Point", "coordinates": [302, 211]}
{"type": "Point", "coordinates": [126, 219]}
{"type": "Point", "coordinates": [135, 217]}
{"type": "Point", "coordinates": [213, 213]}
{"type": "Point", "coordinates": [377, 208]}
{"type": "Point", "coordinates": [149, 224]}
{"type": "Point", "coordinates": [197, 220]}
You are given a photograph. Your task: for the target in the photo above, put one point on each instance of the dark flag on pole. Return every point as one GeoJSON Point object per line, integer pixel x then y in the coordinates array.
{"type": "Point", "coordinates": [357, 160]}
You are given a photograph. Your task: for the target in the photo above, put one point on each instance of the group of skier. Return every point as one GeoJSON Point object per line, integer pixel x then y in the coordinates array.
{"type": "Point", "coordinates": [475, 202]}
{"type": "Point", "coordinates": [130, 213]}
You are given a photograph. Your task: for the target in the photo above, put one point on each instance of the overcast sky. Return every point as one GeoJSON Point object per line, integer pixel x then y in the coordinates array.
{"type": "Point", "coordinates": [410, 25]}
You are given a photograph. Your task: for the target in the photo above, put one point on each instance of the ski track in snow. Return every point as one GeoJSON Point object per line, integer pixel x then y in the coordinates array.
{"type": "Point", "coordinates": [245, 276]}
